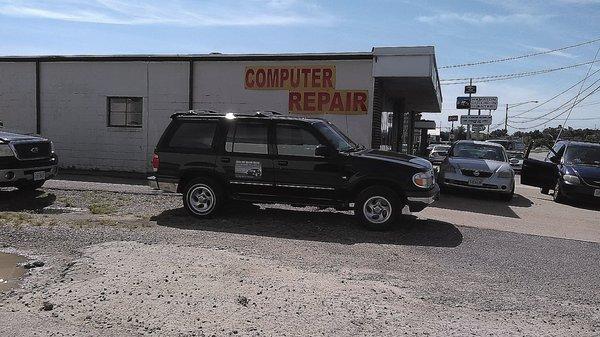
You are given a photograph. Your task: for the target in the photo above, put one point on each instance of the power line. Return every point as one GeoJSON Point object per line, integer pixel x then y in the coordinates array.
{"type": "Point", "coordinates": [554, 97]}
{"type": "Point", "coordinates": [587, 75]}
{"type": "Point", "coordinates": [512, 58]}
{"type": "Point", "coordinates": [555, 117]}
{"type": "Point", "coordinates": [516, 75]}
{"type": "Point", "coordinates": [574, 99]}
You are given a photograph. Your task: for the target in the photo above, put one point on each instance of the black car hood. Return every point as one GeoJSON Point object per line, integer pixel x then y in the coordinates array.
{"type": "Point", "coordinates": [587, 172]}
{"type": "Point", "coordinates": [394, 157]}
{"type": "Point", "coordinates": [9, 136]}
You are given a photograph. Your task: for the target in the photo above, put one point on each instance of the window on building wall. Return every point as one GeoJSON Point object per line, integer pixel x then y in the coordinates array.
{"type": "Point", "coordinates": [125, 111]}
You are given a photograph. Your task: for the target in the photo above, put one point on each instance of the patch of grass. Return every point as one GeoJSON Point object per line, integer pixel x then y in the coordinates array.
{"type": "Point", "coordinates": [102, 208]}
{"type": "Point", "coordinates": [14, 218]}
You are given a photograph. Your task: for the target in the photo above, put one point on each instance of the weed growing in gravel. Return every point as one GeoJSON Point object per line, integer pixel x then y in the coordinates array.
{"type": "Point", "coordinates": [14, 218]}
{"type": "Point", "coordinates": [102, 208]}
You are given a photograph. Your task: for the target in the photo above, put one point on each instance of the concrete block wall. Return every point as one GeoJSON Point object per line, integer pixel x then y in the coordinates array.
{"type": "Point", "coordinates": [219, 85]}
{"type": "Point", "coordinates": [75, 113]}
{"type": "Point", "coordinates": [17, 96]}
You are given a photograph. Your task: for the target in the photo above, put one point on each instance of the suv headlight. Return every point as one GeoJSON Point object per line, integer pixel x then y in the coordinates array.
{"type": "Point", "coordinates": [571, 179]}
{"type": "Point", "coordinates": [423, 179]}
{"type": "Point", "coordinates": [6, 151]}
{"type": "Point", "coordinates": [506, 174]}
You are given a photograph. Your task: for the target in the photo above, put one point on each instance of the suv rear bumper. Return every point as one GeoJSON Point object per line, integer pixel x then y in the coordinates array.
{"type": "Point", "coordinates": [13, 177]}
{"type": "Point", "coordinates": [163, 185]}
{"type": "Point", "coordinates": [417, 201]}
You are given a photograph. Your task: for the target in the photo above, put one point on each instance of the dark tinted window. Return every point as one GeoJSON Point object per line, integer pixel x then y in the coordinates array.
{"type": "Point", "coordinates": [295, 141]}
{"type": "Point", "coordinates": [194, 135]}
{"type": "Point", "coordinates": [247, 138]}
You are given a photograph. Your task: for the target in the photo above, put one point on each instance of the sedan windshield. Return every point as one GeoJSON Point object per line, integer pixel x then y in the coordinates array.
{"type": "Point", "coordinates": [478, 151]}
{"type": "Point", "coordinates": [340, 141]}
{"type": "Point", "coordinates": [582, 155]}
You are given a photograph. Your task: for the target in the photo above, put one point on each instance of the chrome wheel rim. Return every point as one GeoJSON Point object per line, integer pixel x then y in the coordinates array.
{"type": "Point", "coordinates": [201, 199]}
{"type": "Point", "coordinates": [377, 209]}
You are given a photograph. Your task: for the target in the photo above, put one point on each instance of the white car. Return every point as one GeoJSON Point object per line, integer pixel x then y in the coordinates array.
{"type": "Point", "coordinates": [438, 154]}
{"type": "Point", "coordinates": [473, 165]}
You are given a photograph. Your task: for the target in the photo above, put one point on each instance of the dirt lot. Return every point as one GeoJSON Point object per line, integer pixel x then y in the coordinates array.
{"type": "Point", "coordinates": [122, 260]}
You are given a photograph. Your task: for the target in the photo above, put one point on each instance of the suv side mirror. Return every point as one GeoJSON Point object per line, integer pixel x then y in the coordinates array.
{"type": "Point", "coordinates": [322, 151]}
{"type": "Point", "coordinates": [555, 159]}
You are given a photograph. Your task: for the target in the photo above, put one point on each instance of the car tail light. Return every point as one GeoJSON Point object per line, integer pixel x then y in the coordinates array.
{"type": "Point", "coordinates": [155, 162]}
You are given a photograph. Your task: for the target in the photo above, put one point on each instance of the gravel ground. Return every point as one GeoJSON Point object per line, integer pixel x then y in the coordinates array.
{"type": "Point", "coordinates": [133, 263]}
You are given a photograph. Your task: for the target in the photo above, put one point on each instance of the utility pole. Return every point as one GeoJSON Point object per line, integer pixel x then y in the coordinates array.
{"type": "Point", "coordinates": [506, 120]}
{"type": "Point", "coordinates": [469, 112]}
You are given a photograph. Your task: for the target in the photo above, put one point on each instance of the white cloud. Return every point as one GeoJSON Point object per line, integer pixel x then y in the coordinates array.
{"type": "Point", "coordinates": [481, 19]}
{"type": "Point", "coordinates": [181, 13]}
{"type": "Point", "coordinates": [555, 53]}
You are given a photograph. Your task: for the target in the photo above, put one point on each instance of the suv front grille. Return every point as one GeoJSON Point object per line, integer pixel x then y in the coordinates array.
{"type": "Point", "coordinates": [592, 182]}
{"type": "Point", "coordinates": [471, 173]}
{"type": "Point", "coordinates": [32, 150]}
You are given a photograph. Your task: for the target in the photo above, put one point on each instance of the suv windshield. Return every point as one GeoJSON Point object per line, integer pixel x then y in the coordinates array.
{"type": "Point", "coordinates": [582, 155]}
{"type": "Point", "coordinates": [340, 141]}
{"type": "Point", "coordinates": [478, 151]}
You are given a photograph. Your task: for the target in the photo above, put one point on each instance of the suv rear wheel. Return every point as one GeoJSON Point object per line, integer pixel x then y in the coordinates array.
{"type": "Point", "coordinates": [376, 207]}
{"type": "Point", "coordinates": [202, 197]}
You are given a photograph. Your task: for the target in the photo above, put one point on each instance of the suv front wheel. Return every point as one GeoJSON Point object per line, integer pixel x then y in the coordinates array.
{"type": "Point", "coordinates": [202, 197]}
{"type": "Point", "coordinates": [377, 207]}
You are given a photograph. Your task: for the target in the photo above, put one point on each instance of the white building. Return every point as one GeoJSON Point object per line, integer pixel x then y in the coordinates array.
{"type": "Point", "coordinates": [107, 112]}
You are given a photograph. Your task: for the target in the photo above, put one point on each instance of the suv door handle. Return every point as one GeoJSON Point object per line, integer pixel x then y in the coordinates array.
{"type": "Point", "coordinates": [282, 162]}
{"type": "Point", "coordinates": [225, 160]}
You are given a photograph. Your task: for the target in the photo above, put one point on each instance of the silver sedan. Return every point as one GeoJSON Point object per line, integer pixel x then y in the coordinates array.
{"type": "Point", "coordinates": [473, 165]}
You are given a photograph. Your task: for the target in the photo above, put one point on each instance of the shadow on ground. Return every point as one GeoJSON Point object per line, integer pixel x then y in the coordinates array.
{"type": "Point", "coordinates": [315, 225]}
{"type": "Point", "coordinates": [481, 202]}
{"type": "Point", "coordinates": [15, 200]}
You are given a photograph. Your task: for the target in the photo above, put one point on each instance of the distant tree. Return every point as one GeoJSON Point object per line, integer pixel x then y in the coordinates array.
{"type": "Point", "coordinates": [498, 133]}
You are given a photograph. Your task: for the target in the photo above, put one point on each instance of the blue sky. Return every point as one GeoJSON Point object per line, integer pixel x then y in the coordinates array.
{"type": "Point", "coordinates": [461, 31]}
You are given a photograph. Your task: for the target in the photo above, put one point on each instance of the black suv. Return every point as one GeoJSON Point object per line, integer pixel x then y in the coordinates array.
{"type": "Point", "coordinates": [26, 161]}
{"type": "Point", "coordinates": [264, 157]}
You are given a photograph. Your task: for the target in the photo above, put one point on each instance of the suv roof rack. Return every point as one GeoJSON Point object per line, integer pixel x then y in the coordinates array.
{"type": "Point", "coordinates": [198, 112]}
{"type": "Point", "coordinates": [194, 112]}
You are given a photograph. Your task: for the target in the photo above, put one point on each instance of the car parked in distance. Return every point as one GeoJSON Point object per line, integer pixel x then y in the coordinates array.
{"type": "Point", "coordinates": [438, 153]}
{"type": "Point", "coordinates": [570, 169]}
{"type": "Point", "coordinates": [262, 157]}
{"type": "Point", "coordinates": [26, 161]}
{"type": "Point", "coordinates": [474, 165]}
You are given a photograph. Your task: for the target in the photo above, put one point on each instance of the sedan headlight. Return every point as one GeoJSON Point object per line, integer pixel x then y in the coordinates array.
{"type": "Point", "coordinates": [423, 179]}
{"type": "Point", "coordinates": [571, 179]}
{"type": "Point", "coordinates": [506, 174]}
{"type": "Point", "coordinates": [6, 151]}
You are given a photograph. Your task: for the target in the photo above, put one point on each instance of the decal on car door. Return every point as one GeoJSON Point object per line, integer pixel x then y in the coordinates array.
{"type": "Point", "coordinates": [248, 169]}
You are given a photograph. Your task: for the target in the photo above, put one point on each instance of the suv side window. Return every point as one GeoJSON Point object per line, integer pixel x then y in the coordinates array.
{"type": "Point", "coordinates": [194, 135]}
{"type": "Point", "coordinates": [293, 140]}
{"type": "Point", "coordinates": [247, 138]}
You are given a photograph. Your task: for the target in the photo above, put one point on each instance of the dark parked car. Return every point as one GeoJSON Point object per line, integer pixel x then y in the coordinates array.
{"type": "Point", "coordinates": [263, 157]}
{"type": "Point", "coordinates": [26, 161]}
{"type": "Point", "coordinates": [570, 169]}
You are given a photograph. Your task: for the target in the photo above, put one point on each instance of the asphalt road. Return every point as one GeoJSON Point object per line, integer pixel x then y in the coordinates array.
{"type": "Point", "coordinates": [468, 265]}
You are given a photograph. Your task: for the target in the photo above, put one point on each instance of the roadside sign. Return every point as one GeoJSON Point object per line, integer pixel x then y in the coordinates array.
{"type": "Point", "coordinates": [477, 102]}
{"type": "Point", "coordinates": [453, 118]}
{"type": "Point", "coordinates": [475, 119]}
{"type": "Point", "coordinates": [470, 89]}
{"type": "Point", "coordinates": [484, 103]}
{"type": "Point", "coordinates": [477, 127]}
{"type": "Point", "coordinates": [463, 103]}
